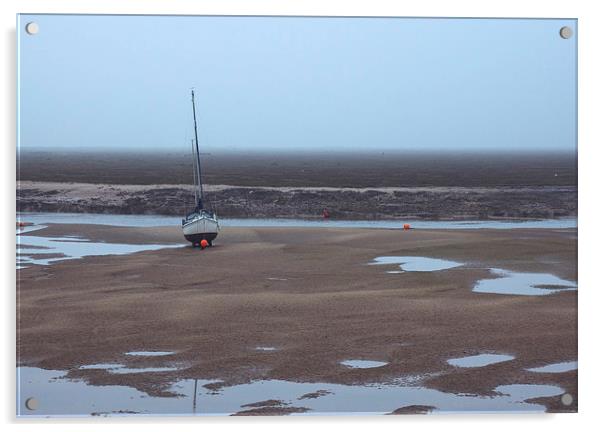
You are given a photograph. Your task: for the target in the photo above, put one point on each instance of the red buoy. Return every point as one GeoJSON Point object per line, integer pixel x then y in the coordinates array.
{"type": "Point", "coordinates": [406, 226]}
{"type": "Point", "coordinates": [204, 244]}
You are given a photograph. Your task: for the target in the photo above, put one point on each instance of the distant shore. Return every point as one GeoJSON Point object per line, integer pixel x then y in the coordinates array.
{"type": "Point", "coordinates": [427, 203]}
{"type": "Point", "coordinates": [356, 169]}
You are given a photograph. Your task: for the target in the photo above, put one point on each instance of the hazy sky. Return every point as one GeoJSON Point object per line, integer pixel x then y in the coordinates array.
{"type": "Point", "coordinates": [297, 83]}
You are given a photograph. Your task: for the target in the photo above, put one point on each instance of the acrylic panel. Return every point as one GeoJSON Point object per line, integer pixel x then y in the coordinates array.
{"type": "Point", "coordinates": [244, 215]}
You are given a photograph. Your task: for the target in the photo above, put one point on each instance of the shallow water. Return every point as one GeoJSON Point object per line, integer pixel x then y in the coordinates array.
{"type": "Point", "coordinates": [58, 396]}
{"type": "Point", "coordinates": [556, 367]}
{"type": "Point", "coordinates": [416, 263]}
{"type": "Point", "coordinates": [116, 368]}
{"type": "Point", "coordinates": [517, 283]}
{"type": "Point", "coordinates": [30, 228]}
{"type": "Point", "coordinates": [479, 360]}
{"type": "Point", "coordinates": [33, 250]}
{"type": "Point", "coordinates": [363, 364]}
{"type": "Point", "coordinates": [149, 353]}
{"type": "Point", "coordinates": [152, 220]}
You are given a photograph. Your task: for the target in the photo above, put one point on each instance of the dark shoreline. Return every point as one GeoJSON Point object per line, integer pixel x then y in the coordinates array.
{"type": "Point", "coordinates": [433, 203]}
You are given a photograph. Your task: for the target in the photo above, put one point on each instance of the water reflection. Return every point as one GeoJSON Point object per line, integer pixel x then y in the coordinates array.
{"type": "Point", "coordinates": [59, 396]}
{"type": "Point", "coordinates": [416, 263]}
{"type": "Point", "coordinates": [363, 364]}
{"type": "Point", "coordinates": [479, 360]}
{"type": "Point", "coordinates": [556, 367]}
{"type": "Point", "coordinates": [516, 283]}
{"type": "Point", "coordinates": [38, 250]}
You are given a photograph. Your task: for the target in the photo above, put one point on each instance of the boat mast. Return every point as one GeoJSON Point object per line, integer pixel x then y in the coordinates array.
{"type": "Point", "coordinates": [194, 182]}
{"type": "Point", "coordinates": [198, 156]}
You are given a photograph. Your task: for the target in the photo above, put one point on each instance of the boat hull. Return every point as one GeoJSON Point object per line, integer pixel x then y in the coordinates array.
{"type": "Point", "coordinates": [196, 238]}
{"type": "Point", "coordinates": [201, 228]}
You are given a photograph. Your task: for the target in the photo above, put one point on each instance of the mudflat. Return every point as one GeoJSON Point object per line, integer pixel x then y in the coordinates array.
{"type": "Point", "coordinates": [433, 202]}
{"type": "Point", "coordinates": [356, 169]}
{"type": "Point", "coordinates": [369, 185]}
{"type": "Point", "coordinates": [312, 295]}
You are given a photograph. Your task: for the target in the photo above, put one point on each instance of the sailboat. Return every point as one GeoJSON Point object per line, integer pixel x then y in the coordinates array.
{"type": "Point", "coordinates": [201, 224]}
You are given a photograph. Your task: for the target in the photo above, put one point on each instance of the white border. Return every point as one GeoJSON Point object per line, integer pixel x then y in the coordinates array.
{"type": "Point", "coordinates": [590, 71]}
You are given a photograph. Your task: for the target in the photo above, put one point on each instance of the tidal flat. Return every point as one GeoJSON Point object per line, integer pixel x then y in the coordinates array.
{"type": "Point", "coordinates": [313, 294]}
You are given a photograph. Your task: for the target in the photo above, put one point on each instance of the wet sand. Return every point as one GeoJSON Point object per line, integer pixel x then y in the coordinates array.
{"type": "Point", "coordinates": [310, 294]}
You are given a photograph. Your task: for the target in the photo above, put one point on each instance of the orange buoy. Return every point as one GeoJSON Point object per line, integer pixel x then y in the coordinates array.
{"type": "Point", "coordinates": [406, 226]}
{"type": "Point", "coordinates": [204, 244]}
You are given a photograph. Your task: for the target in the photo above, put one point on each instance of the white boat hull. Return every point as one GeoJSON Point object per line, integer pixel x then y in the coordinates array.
{"type": "Point", "coordinates": [200, 228]}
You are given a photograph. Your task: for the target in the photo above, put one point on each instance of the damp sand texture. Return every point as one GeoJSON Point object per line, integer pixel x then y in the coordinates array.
{"type": "Point", "coordinates": [312, 294]}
